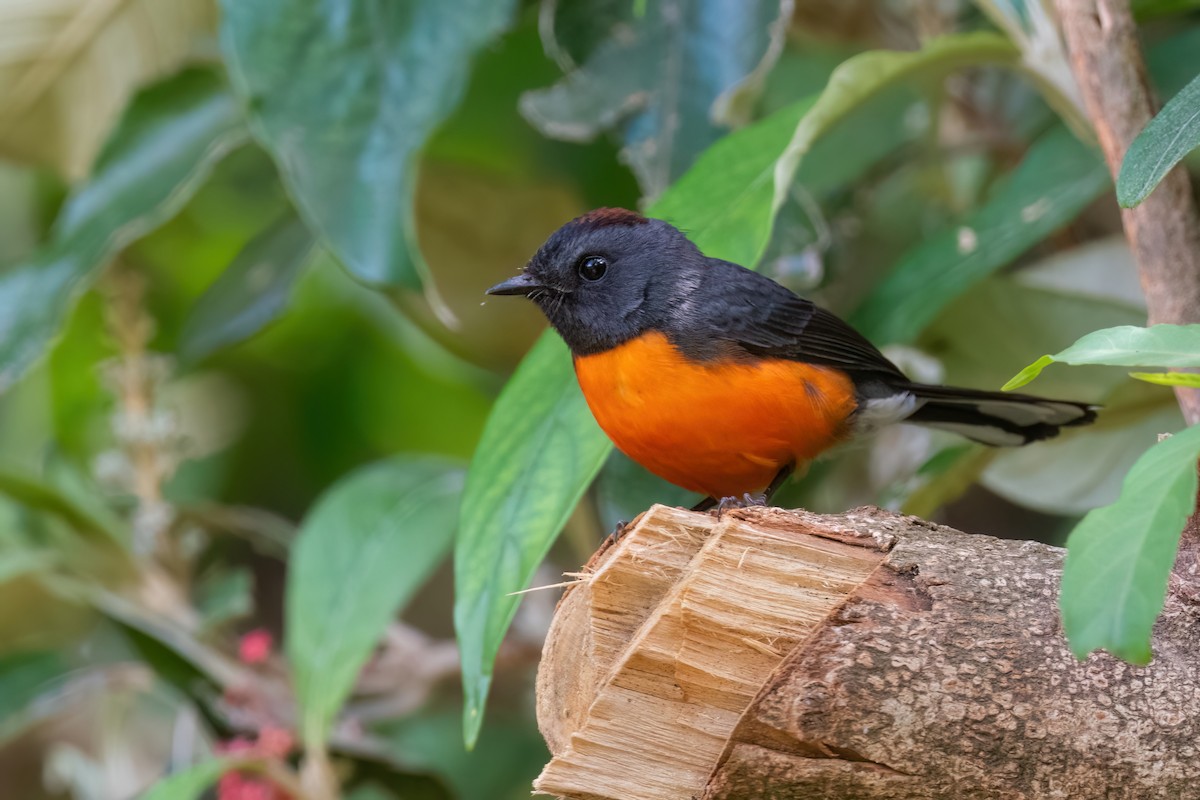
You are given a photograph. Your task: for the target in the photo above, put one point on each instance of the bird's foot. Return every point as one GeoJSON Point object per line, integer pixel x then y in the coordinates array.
{"type": "Point", "coordinates": [745, 501]}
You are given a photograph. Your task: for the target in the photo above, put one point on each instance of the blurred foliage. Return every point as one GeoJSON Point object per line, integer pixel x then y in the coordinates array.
{"type": "Point", "coordinates": [1120, 556]}
{"type": "Point", "coordinates": [242, 254]}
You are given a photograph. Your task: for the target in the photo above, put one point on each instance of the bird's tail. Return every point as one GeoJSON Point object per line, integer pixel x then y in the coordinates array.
{"type": "Point", "coordinates": [996, 418]}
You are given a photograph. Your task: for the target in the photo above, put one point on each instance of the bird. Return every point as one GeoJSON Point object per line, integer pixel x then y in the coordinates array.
{"type": "Point", "coordinates": [721, 380]}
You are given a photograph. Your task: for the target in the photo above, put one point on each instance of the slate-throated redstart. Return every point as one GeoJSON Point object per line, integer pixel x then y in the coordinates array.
{"type": "Point", "coordinates": [722, 381]}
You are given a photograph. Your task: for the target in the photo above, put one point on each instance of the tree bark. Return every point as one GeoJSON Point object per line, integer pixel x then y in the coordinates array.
{"type": "Point", "coordinates": [782, 654]}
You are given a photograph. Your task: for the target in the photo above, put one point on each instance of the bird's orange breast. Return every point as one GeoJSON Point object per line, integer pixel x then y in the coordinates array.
{"type": "Point", "coordinates": [720, 427]}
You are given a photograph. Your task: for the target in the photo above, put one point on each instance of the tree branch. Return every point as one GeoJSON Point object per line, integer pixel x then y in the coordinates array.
{"type": "Point", "coordinates": [1164, 231]}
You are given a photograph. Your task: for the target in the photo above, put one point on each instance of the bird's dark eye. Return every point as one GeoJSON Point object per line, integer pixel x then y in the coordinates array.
{"type": "Point", "coordinates": [592, 268]}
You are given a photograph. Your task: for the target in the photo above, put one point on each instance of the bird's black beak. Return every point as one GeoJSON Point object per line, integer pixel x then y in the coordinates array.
{"type": "Point", "coordinates": [522, 284]}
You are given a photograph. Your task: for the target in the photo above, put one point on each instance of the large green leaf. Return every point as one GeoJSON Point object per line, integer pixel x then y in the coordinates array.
{"type": "Point", "coordinates": [659, 74]}
{"type": "Point", "coordinates": [169, 138]}
{"type": "Point", "coordinates": [1119, 556]}
{"type": "Point", "coordinates": [344, 95]}
{"type": "Point", "coordinates": [369, 544]}
{"type": "Point", "coordinates": [538, 453]}
{"type": "Point", "coordinates": [1124, 346]}
{"type": "Point", "coordinates": [1057, 179]}
{"type": "Point", "coordinates": [865, 75]}
{"type": "Point", "coordinates": [1170, 136]}
{"type": "Point", "coordinates": [251, 292]}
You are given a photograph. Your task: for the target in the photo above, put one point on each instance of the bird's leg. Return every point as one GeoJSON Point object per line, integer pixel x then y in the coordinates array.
{"type": "Point", "coordinates": [747, 500]}
{"type": "Point", "coordinates": [784, 473]}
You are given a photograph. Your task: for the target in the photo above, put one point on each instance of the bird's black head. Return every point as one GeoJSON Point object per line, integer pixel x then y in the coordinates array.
{"type": "Point", "coordinates": [607, 277]}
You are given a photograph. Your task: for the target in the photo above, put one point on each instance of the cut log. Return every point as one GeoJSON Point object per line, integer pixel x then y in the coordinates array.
{"type": "Point", "coordinates": [781, 654]}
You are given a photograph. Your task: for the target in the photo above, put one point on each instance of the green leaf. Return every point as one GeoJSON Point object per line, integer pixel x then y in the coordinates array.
{"type": "Point", "coordinates": [1028, 373]}
{"type": "Point", "coordinates": [1129, 345]}
{"type": "Point", "coordinates": [659, 75]}
{"type": "Point", "coordinates": [539, 451]}
{"type": "Point", "coordinates": [724, 200]}
{"type": "Point", "coordinates": [344, 95]}
{"type": "Point", "coordinates": [252, 291]}
{"type": "Point", "coordinates": [1189, 379]}
{"type": "Point", "coordinates": [1171, 135]}
{"type": "Point", "coordinates": [94, 522]}
{"type": "Point", "coordinates": [1124, 346]}
{"type": "Point", "coordinates": [1057, 179]}
{"type": "Point", "coordinates": [1119, 557]}
{"type": "Point", "coordinates": [865, 75]}
{"type": "Point", "coordinates": [190, 783]}
{"type": "Point", "coordinates": [162, 150]}
{"type": "Point", "coordinates": [24, 677]}
{"type": "Point", "coordinates": [369, 544]}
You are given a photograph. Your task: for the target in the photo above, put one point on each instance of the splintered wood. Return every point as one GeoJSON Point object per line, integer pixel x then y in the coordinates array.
{"type": "Point", "coordinates": [686, 618]}
{"type": "Point", "coordinates": [784, 655]}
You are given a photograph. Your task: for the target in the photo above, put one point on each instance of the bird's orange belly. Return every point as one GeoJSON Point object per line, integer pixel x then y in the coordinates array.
{"type": "Point", "coordinates": [719, 427]}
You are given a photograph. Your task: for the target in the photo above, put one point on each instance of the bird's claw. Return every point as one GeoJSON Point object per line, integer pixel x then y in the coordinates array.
{"type": "Point", "coordinates": [745, 501]}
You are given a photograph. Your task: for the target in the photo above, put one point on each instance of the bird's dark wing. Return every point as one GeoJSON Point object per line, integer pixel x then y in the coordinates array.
{"type": "Point", "coordinates": [763, 318]}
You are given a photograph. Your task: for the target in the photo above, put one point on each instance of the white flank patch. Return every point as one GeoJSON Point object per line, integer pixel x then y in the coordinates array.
{"type": "Point", "coordinates": [878, 412]}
